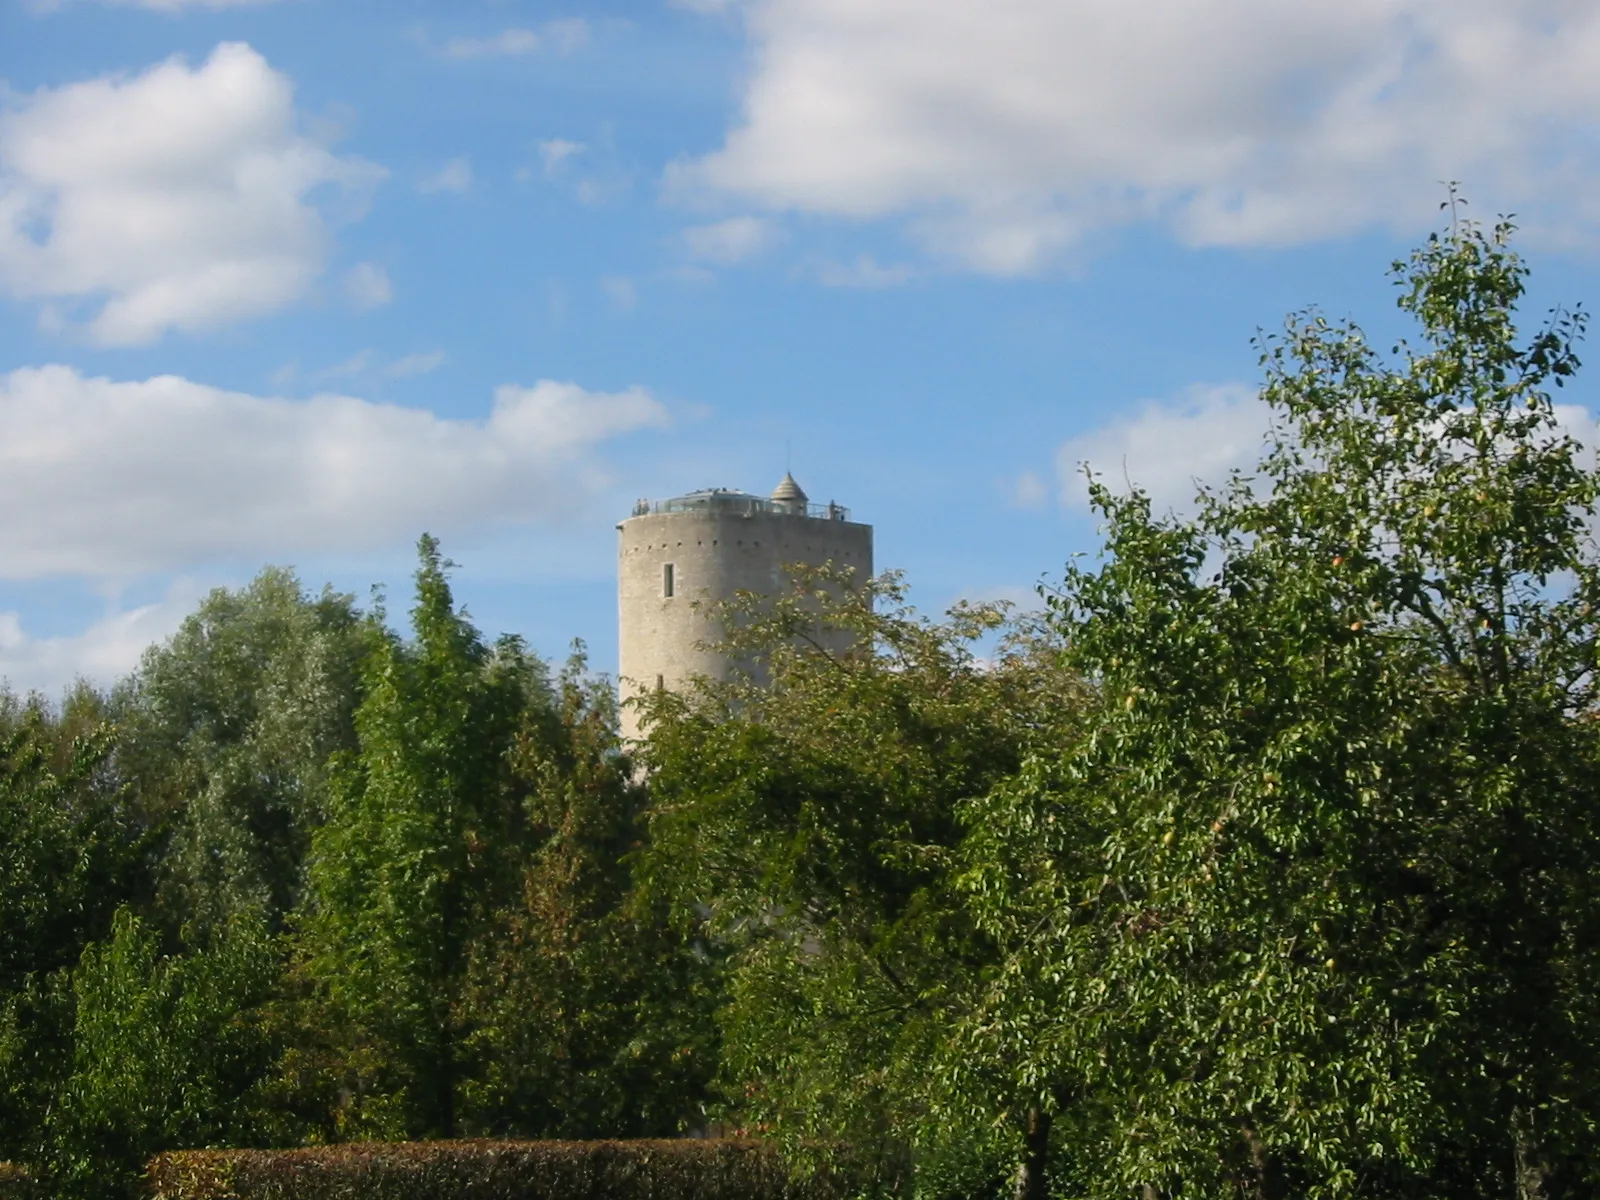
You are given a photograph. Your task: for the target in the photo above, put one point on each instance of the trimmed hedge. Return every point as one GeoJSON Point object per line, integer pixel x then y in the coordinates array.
{"type": "Point", "coordinates": [690, 1169]}
{"type": "Point", "coordinates": [15, 1182]}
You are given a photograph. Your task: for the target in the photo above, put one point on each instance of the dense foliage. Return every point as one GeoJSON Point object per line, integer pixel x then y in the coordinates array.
{"type": "Point", "coordinates": [1263, 863]}
{"type": "Point", "coordinates": [1339, 933]}
{"type": "Point", "coordinates": [1293, 894]}
{"type": "Point", "coordinates": [301, 879]}
{"type": "Point", "coordinates": [813, 826]}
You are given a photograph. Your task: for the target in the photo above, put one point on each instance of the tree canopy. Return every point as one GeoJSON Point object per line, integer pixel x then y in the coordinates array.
{"type": "Point", "coordinates": [305, 878]}
{"type": "Point", "coordinates": [1288, 890]}
{"type": "Point", "coordinates": [1260, 862]}
{"type": "Point", "coordinates": [1341, 938]}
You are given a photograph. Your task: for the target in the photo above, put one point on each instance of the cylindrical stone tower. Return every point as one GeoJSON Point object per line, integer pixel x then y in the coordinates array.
{"type": "Point", "coordinates": [706, 546]}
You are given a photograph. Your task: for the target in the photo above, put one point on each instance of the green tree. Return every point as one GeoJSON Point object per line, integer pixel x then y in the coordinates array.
{"type": "Point", "coordinates": [811, 824]}
{"type": "Point", "coordinates": [167, 1052]}
{"type": "Point", "coordinates": [70, 852]}
{"type": "Point", "coordinates": [592, 1012]}
{"type": "Point", "coordinates": [225, 731]}
{"type": "Point", "coordinates": [419, 849]}
{"type": "Point", "coordinates": [1339, 937]}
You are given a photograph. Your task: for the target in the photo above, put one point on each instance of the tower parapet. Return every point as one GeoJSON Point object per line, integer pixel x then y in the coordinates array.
{"type": "Point", "coordinates": [706, 546]}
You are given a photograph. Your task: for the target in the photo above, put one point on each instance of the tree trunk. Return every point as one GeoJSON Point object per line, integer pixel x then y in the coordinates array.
{"type": "Point", "coordinates": [440, 1087]}
{"type": "Point", "coordinates": [1266, 1180]}
{"type": "Point", "coordinates": [1030, 1182]}
{"type": "Point", "coordinates": [1531, 1167]}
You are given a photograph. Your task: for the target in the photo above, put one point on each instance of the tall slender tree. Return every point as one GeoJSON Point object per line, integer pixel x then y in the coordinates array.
{"type": "Point", "coordinates": [418, 846]}
{"type": "Point", "coordinates": [592, 1011]}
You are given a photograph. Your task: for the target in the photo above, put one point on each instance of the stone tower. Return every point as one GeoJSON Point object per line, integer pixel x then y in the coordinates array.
{"type": "Point", "coordinates": [706, 546]}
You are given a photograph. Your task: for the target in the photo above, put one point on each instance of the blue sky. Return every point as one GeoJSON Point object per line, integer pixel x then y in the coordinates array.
{"type": "Point", "coordinates": [294, 281]}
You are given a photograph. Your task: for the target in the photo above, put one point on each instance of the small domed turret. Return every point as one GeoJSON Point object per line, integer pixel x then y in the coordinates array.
{"type": "Point", "coordinates": [790, 494]}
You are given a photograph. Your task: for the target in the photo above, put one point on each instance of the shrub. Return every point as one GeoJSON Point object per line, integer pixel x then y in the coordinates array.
{"type": "Point", "coordinates": [490, 1170]}
{"type": "Point", "coordinates": [15, 1182]}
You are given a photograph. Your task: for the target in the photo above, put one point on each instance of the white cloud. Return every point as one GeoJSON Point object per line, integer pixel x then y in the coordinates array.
{"type": "Point", "coordinates": [556, 151]}
{"type": "Point", "coordinates": [415, 364]}
{"type": "Point", "coordinates": [367, 286]}
{"type": "Point", "coordinates": [1005, 132]}
{"type": "Point", "coordinates": [358, 363]}
{"type": "Point", "coordinates": [566, 35]}
{"type": "Point", "coordinates": [455, 176]}
{"type": "Point", "coordinates": [864, 272]}
{"type": "Point", "coordinates": [365, 364]}
{"type": "Point", "coordinates": [1581, 426]}
{"type": "Point", "coordinates": [175, 199]}
{"type": "Point", "coordinates": [369, 363]}
{"type": "Point", "coordinates": [1165, 448]}
{"type": "Point", "coordinates": [602, 189]}
{"type": "Point", "coordinates": [105, 478]}
{"type": "Point", "coordinates": [1168, 448]}
{"type": "Point", "coordinates": [103, 653]}
{"type": "Point", "coordinates": [508, 43]}
{"type": "Point", "coordinates": [563, 37]}
{"type": "Point", "coordinates": [730, 241]}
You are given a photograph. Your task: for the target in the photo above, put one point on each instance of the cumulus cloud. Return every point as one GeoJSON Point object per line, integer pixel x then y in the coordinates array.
{"type": "Point", "coordinates": [105, 478]}
{"type": "Point", "coordinates": [1580, 425]}
{"type": "Point", "coordinates": [730, 241]}
{"type": "Point", "coordinates": [175, 199]}
{"type": "Point", "coordinates": [103, 653]}
{"type": "Point", "coordinates": [1006, 132]}
{"type": "Point", "coordinates": [1167, 449]}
